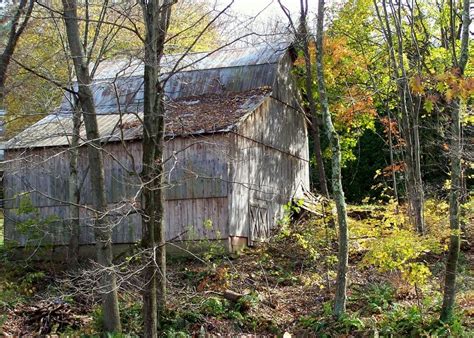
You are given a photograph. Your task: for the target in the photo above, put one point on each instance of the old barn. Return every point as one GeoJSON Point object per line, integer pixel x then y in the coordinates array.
{"type": "Point", "coordinates": [236, 152]}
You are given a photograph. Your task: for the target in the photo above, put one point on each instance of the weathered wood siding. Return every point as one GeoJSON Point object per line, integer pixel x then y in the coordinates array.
{"type": "Point", "coordinates": [270, 160]}
{"type": "Point", "coordinates": [196, 193]}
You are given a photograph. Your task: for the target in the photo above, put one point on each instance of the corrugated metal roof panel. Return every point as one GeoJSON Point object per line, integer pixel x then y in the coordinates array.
{"type": "Point", "coordinates": [224, 58]}
{"type": "Point", "coordinates": [118, 84]}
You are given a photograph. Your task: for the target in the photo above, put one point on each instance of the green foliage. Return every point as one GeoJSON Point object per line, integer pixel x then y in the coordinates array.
{"type": "Point", "coordinates": [395, 320]}
{"type": "Point", "coordinates": [378, 298]}
{"type": "Point", "coordinates": [369, 156]}
{"type": "Point", "coordinates": [97, 315]}
{"type": "Point", "coordinates": [211, 250]}
{"type": "Point", "coordinates": [283, 276]}
{"type": "Point", "coordinates": [399, 251]}
{"type": "Point", "coordinates": [289, 210]}
{"type": "Point", "coordinates": [17, 283]}
{"type": "Point", "coordinates": [130, 314]}
{"type": "Point", "coordinates": [351, 323]}
{"type": "Point", "coordinates": [247, 302]}
{"type": "Point", "coordinates": [403, 321]}
{"type": "Point", "coordinates": [455, 328]}
{"type": "Point", "coordinates": [3, 319]}
{"type": "Point", "coordinates": [393, 245]}
{"type": "Point", "coordinates": [214, 250]}
{"type": "Point", "coordinates": [176, 323]}
{"type": "Point", "coordinates": [214, 306]}
{"type": "Point", "coordinates": [326, 325]}
{"type": "Point", "coordinates": [309, 236]}
{"type": "Point", "coordinates": [181, 321]}
{"type": "Point", "coordinates": [38, 230]}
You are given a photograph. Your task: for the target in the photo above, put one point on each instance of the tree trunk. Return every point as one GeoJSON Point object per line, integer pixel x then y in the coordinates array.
{"type": "Point", "coordinates": [409, 112]}
{"type": "Point", "coordinates": [74, 188]}
{"type": "Point", "coordinates": [455, 240]}
{"type": "Point", "coordinates": [156, 14]}
{"type": "Point", "coordinates": [455, 155]}
{"type": "Point", "coordinates": [315, 127]}
{"type": "Point", "coordinates": [338, 192]}
{"type": "Point", "coordinates": [102, 229]}
{"type": "Point", "coordinates": [323, 187]}
{"type": "Point", "coordinates": [392, 162]}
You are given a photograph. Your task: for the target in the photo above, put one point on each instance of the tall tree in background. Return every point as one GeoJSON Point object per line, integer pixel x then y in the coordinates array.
{"type": "Point", "coordinates": [338, 192]}
{"type": "Point", "coordinates": [392, 23]}
{"type": "Point", "coordinates": [18, 24]}
{"type": "Point", "coordinates": [102, 230]}
{"type": "Point", "coordinates": [455, 156]}
{"type": "Point", "coordinates": [157, 18]}
{"type": "Point", "coordinates": [303, 39]}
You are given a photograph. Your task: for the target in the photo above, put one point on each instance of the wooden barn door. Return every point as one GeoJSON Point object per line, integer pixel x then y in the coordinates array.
{"type": "Point", "coordinates": [259, 225]}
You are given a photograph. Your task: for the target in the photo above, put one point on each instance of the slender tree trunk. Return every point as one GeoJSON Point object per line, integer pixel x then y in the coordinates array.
{"type": "Point", "coordinates": [102, 229]}
{"type": "Point", "coordinates": [392, 162]}
{"type": "Point", "coordinates": [455, 237]}
{"type": "Point", "coordinates": [419, 195]}
{"type": "Point", "coordinates": [338, 192]}
{"type": "Point", "coordinates": [409, 113]}
{"type": "Point", "coordinates": [74, 188]}
{"type": "Point", "coordinates": [303, 38]}
{"type": "Point", "coordinates": [315, 126]}
{"type": "Point", "coordinates": [455, 155]}
{"type": "Point", "coordinates": [156, 14]}
{"type": "Point", "coordinates": [323, 187]}
{"type": "Point", "coordinates": [409, 126]}
{"type": "Point", "coordinates": [412, 161]}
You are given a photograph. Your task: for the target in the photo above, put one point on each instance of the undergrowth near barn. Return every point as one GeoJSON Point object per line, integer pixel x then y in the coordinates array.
{"type": "Point", "coordinates": [284, 285]}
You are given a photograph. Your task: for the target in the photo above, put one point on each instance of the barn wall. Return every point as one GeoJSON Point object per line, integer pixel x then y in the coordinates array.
{"type": "Point", "coordinates": [196, 193]}
{"type": "Point", "coordinates": [270, 163]}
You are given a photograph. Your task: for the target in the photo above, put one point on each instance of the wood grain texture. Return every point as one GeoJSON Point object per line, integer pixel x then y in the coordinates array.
{"type": "Point", "coordinates": [196, 194]}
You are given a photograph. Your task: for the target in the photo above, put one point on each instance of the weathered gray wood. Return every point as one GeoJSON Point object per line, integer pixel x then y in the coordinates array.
{"type": "Point", "coordinates": [270, 161]}
{"type": "Point", "coordinates": [199, 169]}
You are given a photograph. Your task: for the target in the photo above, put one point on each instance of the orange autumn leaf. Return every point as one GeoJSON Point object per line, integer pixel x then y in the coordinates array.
{"type": "Point", "coordinates": [396, 167]}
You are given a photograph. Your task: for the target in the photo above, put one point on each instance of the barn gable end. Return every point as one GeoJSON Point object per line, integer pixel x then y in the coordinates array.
{"type": "Point", "coordinates": [270, 160]}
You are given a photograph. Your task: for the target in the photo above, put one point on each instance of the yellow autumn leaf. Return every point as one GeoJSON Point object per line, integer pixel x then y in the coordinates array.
{"type": "Point", "coordinates": [417, 85]}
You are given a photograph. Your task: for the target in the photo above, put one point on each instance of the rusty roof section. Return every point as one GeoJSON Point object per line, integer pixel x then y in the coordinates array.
{"type": "Point", "coordinates": [194, 115]}
{"type": "Point", "coordinates": [211, 112]}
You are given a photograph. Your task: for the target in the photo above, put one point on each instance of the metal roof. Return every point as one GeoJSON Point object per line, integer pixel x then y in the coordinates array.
{"type": "Point", "coordinates": [118, 92]}
{"type": "Point", "coordinates": [260, 54]}
{"type": "Point", "coordinates": [208, 113]}
{"type": "Point", "coordinates": [118, 84]}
